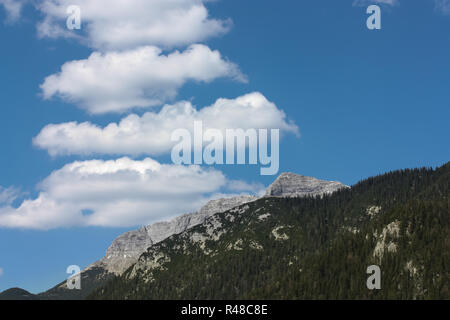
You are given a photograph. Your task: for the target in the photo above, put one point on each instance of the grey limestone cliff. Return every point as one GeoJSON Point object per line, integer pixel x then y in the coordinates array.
{"type": "Point", "coordinates": [127, 248]}
{"type": "Point", "coordinates": [294, 185]}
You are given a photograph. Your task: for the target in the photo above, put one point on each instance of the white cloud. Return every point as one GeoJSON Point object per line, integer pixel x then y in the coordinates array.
{"type": "Point", "coordinates": [242, 186]}
{"type": "Point", "coordinates": [144, 77]}
{"type": "Point", "coordinates": [114, 193]}
{"type": "Point", "coordinates": [369, 2]}
{"type": "Point", "coordinates": [8, 195]}
{"type": "Point", "coordinates": [13, 8]}
{"type": "Point", "coordinates": [1, 272]}
{"type": "Point", "coordinates": [443, 6]}
{"type": "Point", "coordinates": [125, 24]}
{"type": "Point", "coordinates": [151, 133]}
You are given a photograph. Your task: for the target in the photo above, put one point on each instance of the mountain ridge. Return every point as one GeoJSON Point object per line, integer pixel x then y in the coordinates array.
{"type": "Point", "coordinates": [17, 294]}
{"type": "Point", "coordinates": [127, 248]}
{"type": "Point", "coordinates": [308, 248]}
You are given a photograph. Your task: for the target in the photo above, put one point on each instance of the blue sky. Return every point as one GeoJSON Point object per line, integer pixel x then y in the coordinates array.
{"type": "Point", "coordinates": [365, 102]}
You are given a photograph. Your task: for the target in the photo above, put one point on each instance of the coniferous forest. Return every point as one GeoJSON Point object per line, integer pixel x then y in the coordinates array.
{"type": "Point", "coordinates": [309, 248]}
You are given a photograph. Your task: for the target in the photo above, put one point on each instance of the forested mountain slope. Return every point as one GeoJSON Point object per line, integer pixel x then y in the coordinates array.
{"type": "Point", "coordinates": [304, 248]}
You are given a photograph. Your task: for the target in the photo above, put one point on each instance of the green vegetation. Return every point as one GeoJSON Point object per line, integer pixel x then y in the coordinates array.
{"type": "Point", "coordinates": [309, 248]}
{"type": "Point", "coordinates": [17, 294]}
{"type": "Point", "coordinates": [90, 279]}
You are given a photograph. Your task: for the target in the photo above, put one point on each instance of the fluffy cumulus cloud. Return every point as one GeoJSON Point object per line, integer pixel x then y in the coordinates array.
{"type": "Point", "coordinates": [125, 24]}
{"type": "Point", "coordinates": [114, 193]}
{"type": "Point", "coordinates": [151, 133]}
{"type": "Point", "coordinates": [143, 77]}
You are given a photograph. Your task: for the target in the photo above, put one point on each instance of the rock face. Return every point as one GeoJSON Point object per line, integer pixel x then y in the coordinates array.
{"type": "Point", "coordinates": [294, 185]}
{"type": "Point", "coordinates": [127, 248]}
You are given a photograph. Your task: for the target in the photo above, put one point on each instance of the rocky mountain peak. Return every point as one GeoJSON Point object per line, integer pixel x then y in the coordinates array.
{"type": "Point", "coordinates": [294, 185]}
{"type": "Point", "coordinates": [126, 249]}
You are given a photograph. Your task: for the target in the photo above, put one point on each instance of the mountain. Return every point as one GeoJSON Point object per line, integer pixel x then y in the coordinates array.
{"type": "Point", "coordinates": [17, 294]}
{"type": "Point", "coordinates": [293, 185]}
{"type": "Point", "coordinates": [316, 247]}
{"type": "Point", "coordinates": [128, 247]}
